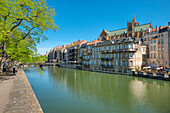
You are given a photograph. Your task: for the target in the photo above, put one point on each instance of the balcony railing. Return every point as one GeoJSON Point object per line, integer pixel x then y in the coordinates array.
{"type": "Point", "coordinates": [107, 66]}
{"type": "Point", "coordinates": [119, 50]}
{"type": "Point", "coordinates": [86, 65]}
{"type": "Point", "coordinates": [107, 59]}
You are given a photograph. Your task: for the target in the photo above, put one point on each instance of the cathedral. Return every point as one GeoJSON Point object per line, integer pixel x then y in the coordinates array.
{"type": "Point", "coordinates": [134, 30]}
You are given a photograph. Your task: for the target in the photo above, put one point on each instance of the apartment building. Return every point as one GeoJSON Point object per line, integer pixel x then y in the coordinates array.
{"type": "Point", "coordinates": [73, 53]}
{"type": "Point", "coordinates": [158, 47]}
{"type": "Point", "coordinates": [121, 55]}
{"type": "Point", "coordinates": [87, 55]}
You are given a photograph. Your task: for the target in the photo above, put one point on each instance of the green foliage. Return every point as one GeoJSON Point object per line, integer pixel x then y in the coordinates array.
{"type": "Point", "coordinates": [22, 23]}
{"type": "Point", "coordinates": [154, 71]}
{"type": "Point", "coordinates": [137, 70]}
{"type": "Point", "coordinates": [164, 72]}
{"type": "Point", "coordinates": [146, 70]}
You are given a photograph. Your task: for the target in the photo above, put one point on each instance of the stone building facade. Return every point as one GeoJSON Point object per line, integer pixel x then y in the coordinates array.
{"type": "Point", "coordinates": [158, 47]}
{"type": "Point", "coordinates": [118, 56]}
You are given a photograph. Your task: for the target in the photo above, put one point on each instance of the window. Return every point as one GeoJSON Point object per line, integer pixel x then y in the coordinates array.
{"type": "Point", "coordinates": [116, 63]}
{"type": "Point", "coordinates": [114, 55]}
{"type": "Point", "coordinates": [159, 48]}
{"type": "Point", "coordinates": [151, 48]}
{"type": "Point", "coordinates": [121, 55]}
{"type": "Point", "coordinates": [109, 63]}
{"type": "Point", "coordinates": [131, 46]}
{"type": "Point", "coordinates": [118, 55]}
{"type": "Point", "coordinates": [159, 36]}
{"type": "Point", "coordinates": [131, 63]}
{"type": "Point", "coordinates": [148, 38]}
{"type": "Point", "coordinates": [154, 48]}
{"type": "Point", "coordinates": [162, 48]}
{"type": "Point", "coordinates": [145, 39]}
{"type": "Point", "coordinates": [99, 62]}
{"type": "Point", "coordinates": [123, 46]}
{"type": "Point", "coordinates": [159, 55]}
{"type": "Point", "coordinates": [162, 35]}
{"type": "Point", "coordinates": [154, 41]}
{"type": "Point", "coordinates": [148, 44]}
{"type": "Point", "coordinates": [162, 55]}
{"type": "Point", "coordinates": [151, 55]}
{"type": "Point", "coordinates": [131, 55]}
{"type": "Point", "coordinates": [162, 41]}
{"type": "Point", "coordinates": [151, 41]}
{"type": "Point", "coordinates": [154, 55]}
{"type": "Point", "coordinates": [159, 41]}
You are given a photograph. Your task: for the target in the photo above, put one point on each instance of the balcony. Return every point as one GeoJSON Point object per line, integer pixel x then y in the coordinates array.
{"type": "Point", "coordinates": [128, 49]}
{"type": "Point", "coordinates": [86, 59]}
{"type": "Point", "coordinates": [107, 59]}
{"type": "Point", "coordinates": [104, 51]}
{"type": "Point", "coordinates": [86, 65]}
{"type": "Point", "coordinates": [124, 50]}
{"type": "Point", "coordinates": [107, 66]}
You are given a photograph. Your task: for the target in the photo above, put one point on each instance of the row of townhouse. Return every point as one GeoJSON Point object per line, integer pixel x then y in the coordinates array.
{"type": "Point", "coordinates": [116, 52]}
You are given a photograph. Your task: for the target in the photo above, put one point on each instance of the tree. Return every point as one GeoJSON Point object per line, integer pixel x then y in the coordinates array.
{"type": "Point", "coordinates": [26, 18]}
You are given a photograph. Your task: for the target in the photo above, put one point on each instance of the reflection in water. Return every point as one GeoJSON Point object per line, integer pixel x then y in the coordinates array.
{"type": "Point", "coordinates": [74, 91]}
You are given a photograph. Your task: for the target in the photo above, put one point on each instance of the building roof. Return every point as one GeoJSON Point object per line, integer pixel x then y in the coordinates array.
{"type": "Point", "coordinates": [94, 42]}
{"type": "Point", "coordinates": [143, 27]}
{"type": "Point", "coordinates": [162, 27]}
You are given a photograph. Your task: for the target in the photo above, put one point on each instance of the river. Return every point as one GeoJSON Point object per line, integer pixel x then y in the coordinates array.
{"type": "Point", "coordinates": [63, 90]}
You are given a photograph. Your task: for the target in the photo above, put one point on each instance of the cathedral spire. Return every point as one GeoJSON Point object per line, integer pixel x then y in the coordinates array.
{"type": "Point", "coordinates": [134, 19]}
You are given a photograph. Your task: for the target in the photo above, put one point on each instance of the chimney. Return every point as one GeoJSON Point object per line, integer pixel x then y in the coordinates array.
{"type": "Point", "coordinates": [156, 27]}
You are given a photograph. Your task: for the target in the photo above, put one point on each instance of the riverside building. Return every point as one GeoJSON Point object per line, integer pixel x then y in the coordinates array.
{"type": "Point", "coordinates": [123, 50]}
{"type": "Point", "coordinates": [122, 55]}
{"type": "Point", "coordinates": [87, 55]}
{"type": "Point", "coordinates": [158, 44]}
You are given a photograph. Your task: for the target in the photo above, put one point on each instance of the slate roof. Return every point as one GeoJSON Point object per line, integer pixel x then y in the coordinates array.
{"type": "Point", "coordinates": [143, 27]}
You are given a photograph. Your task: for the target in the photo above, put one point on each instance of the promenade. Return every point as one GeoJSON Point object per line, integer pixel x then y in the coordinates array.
{"type": "Point", "coordinates": [17, 95]}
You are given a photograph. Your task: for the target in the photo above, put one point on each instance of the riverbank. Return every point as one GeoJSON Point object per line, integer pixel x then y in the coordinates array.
{"type": "Point", "coordinates": [155, 76]}
{"type": "Point", "coordinates": [21, 97]}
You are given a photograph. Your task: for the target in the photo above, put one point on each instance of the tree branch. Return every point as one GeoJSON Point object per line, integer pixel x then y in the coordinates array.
{"type": "Point", "coordinates": [28, 33]}
{"type": "Point", "coordinates": [16, 25]}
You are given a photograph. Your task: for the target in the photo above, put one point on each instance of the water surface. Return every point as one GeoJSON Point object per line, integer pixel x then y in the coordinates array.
{"type": "Point", "coordinates": [63, 90]}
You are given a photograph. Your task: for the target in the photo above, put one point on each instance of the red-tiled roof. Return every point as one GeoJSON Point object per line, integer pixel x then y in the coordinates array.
{"type": "Point", "coordinates": [153, 30]}
{"type": "Point", "coordinates": [94, 42]}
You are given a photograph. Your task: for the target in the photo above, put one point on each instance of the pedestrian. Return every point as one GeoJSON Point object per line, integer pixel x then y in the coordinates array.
{"type": "Point", "coordinates": [14, 68]}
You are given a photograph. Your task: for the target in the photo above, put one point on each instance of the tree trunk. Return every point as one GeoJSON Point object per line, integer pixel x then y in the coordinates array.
{"type": "Point", "coordinates": [3, 57]}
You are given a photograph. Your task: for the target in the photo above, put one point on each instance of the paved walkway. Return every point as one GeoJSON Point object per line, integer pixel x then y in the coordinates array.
{"type": "Point", "coordinates": [22, 98]}
{"type": "Point", "coordinates": [5, 88]}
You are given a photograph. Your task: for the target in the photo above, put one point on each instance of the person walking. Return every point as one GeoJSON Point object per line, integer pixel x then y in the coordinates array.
{"type": "Point", "coordinates": [14, 69]}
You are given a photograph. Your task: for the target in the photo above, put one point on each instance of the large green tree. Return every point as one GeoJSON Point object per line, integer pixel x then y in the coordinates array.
{"type": "Point", "coordinates": [26, 18]}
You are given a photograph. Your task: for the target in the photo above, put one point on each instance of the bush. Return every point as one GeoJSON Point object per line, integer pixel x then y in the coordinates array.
{"type": "Point", "coordinates": [146, 70]}
{"type": "Point", "coordinates": [154, 71]}
{"type": "Point", "coordinates": [137, 69]}
{"type": "Point", "coordinates": [164, 71]}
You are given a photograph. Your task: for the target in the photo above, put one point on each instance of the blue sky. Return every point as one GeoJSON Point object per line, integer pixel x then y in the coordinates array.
{"type": "Point", "coordinates": [85, 19]}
